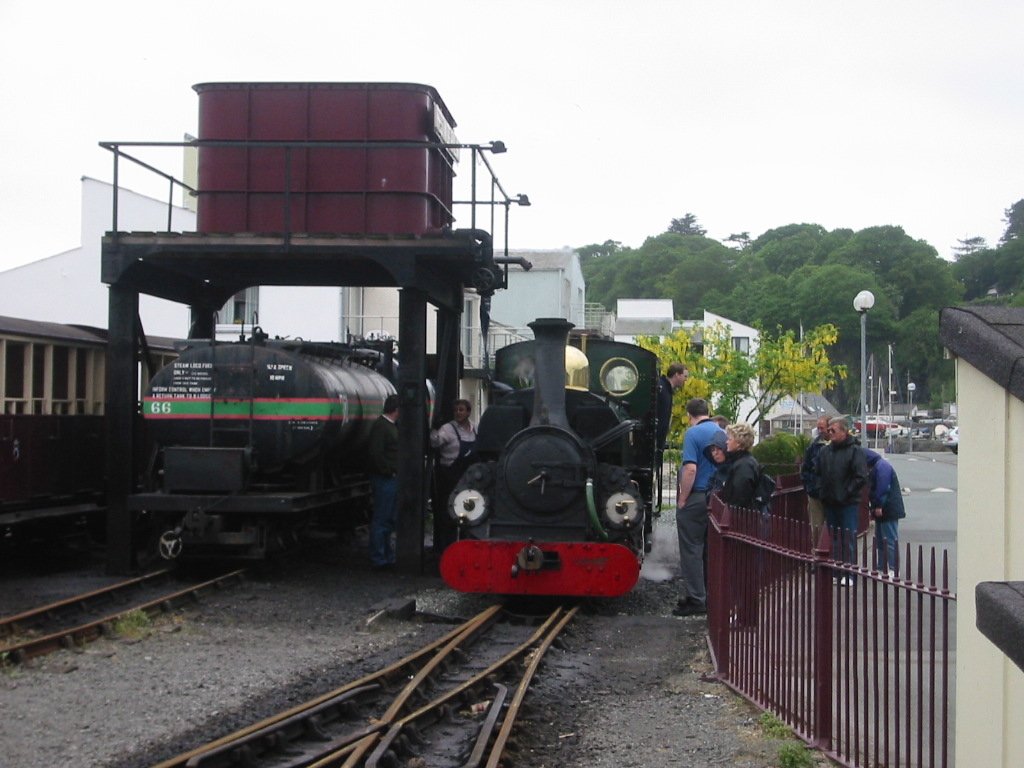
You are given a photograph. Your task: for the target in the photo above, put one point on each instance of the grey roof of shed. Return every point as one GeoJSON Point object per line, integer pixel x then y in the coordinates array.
{"type": "Point", "coordinates": [989, 338]}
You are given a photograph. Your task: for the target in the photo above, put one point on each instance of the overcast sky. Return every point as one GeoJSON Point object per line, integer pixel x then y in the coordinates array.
{"type": "Point", "coordinates": [618, 116]}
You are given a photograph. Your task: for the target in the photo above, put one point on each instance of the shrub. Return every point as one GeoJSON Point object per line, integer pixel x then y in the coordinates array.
{"type": "Point", "coordinates": [781, 453]}
{"type": "Point", "coordinates": [795, 755]}
{"type": "Point", "coordinates": [133, 624]}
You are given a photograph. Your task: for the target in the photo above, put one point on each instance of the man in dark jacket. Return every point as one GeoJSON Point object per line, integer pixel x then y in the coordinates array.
{"type": "Point", "coordinates": [843, 471]}
{"type": "Point", "coordinates": [382, 451]}
{"type": "Point", "coordinates": [674, 378]}
{"type": "Point", "coordinates": [812, 483]}
{"type": "Point", "coordinates": [885, 500]}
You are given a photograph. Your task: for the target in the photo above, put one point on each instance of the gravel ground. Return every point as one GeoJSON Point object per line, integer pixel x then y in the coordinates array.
{"type": "Point", "coordinates": [632, 688]}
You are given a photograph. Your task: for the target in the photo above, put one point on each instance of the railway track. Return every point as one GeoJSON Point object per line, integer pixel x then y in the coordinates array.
{"type": "Point", "coordinates": [85, 617]}
{"type": "Point", "coordinates": [454, 702]}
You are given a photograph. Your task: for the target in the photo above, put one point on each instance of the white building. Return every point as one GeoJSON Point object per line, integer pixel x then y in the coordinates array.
{"type": "Point", "coordinates": [66, 288]}
{"type": "Point", "coordinates": [553, 287]}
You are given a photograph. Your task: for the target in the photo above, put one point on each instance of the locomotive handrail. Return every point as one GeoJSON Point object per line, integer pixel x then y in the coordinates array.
{"type": "Point", "coordinates": [619, 430]}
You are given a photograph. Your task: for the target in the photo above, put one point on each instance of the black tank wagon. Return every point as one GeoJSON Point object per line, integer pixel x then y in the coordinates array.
{"type": "Point", "coordinates": [250, 440]}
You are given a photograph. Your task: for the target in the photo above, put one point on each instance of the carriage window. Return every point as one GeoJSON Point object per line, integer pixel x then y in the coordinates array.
{"type": "Point", "coordinates": [38, 372]}
{"type": "Point", "coordinates": [14, 382]}
{"type": "Point", "coordinates": [619, 376]}
{"type": "Point", "coordinates": [60, 373]}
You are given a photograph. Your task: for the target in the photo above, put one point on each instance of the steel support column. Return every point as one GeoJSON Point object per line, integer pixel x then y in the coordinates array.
{"type": "Point", "coordinates": [121, 404]}
{"type": "Point", "coordinates": [412, 429]}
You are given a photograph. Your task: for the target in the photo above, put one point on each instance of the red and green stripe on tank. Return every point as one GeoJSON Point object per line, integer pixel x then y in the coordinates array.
{"type": "Point", "coordinates": [269, 409]}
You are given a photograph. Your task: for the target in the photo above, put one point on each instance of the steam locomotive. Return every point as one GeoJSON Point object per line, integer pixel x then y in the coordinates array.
{"type": "Point", "coordinates": [560, 499]}
{"type": "Point", "coordinates": [250, 441]}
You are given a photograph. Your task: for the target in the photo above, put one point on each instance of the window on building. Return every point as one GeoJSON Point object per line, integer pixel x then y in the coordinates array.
{"type": "Point", "coordinates": [471, 346]}
{"type": "Point", "coordinates": [242, 308]}
{"type": "Point", "coordinates": [352, 325]}
{"type": "Point", "coordinates": [741, 344]}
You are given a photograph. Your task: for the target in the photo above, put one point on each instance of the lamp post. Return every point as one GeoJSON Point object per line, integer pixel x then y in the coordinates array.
{"type": "Point", "coordinates": [911, 386]}
{"type": "Point", "coordinates": [862, 302]}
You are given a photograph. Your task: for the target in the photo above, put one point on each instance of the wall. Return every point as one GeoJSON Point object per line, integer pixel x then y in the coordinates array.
{"type": "Point", "coordinates": [66, 288]}
{"type": "Point", "coordinates": [990, 547]}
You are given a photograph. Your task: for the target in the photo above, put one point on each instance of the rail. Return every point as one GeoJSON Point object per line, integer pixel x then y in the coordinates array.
{"type": "Point", "coordinates": [857, 661]}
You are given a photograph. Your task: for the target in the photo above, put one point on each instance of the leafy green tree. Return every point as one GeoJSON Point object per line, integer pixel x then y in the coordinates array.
{"type": "Point", "coordinates": [917, 348]}
{"type": "Point", "coordinates": [1014, 218]}
{"type": "Point", "coordinates": [968, 246]}
{"type": "Point", "coordinates": [687, 225]}
{"type": "Point", "coordinates": [740, 240]}
{"type": "Point", "coordinates": [782, 365]}
{"type": "Point", "coordinates": [790, 247]}
{"type": "Point", "coordinates": [598, 251]}
{"type": "Point", "coordinates": [908, 271]}
{"type": "Point", "coordinates": [786, 365]}
{"type": "Point", "coordinates": [824, 295]}
{"type": "Point", "coordinates": [976, 272]}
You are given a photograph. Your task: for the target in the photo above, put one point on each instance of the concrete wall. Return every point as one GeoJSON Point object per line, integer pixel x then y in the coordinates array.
{"type": "Point", "coordinates": [990, 547]}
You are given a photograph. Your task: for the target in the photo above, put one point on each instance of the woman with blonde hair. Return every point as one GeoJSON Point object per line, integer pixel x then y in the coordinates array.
{"type": "Point", "coordinates": [740, 484]}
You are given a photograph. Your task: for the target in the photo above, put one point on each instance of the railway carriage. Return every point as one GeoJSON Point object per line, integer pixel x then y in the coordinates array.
{"type": "Point", "coordinates": [53, 431]}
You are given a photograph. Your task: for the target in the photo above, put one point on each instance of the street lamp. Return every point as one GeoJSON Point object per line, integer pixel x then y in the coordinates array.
{"type": "Point", "coordinates": [862, 302]}
{"type": "Point", "coordinates": [911, 386]}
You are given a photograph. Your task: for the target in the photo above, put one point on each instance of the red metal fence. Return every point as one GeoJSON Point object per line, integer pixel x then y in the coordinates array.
{"type": "Point", "coordinates": [864, 672]}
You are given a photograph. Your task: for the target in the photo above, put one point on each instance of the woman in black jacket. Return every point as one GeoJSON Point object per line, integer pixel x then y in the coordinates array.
{"type": "Point", "coordinates": [740, 484]}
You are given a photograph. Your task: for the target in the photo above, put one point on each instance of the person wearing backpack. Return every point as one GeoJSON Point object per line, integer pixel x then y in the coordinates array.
{"type": "Point", "coordinates": [885, 499]}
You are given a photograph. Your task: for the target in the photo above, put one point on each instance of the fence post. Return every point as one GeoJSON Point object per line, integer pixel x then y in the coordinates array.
{"type": "Point", "coordinates": [822, 629]}
{"type": "Point", "coordinates": [718, 602]}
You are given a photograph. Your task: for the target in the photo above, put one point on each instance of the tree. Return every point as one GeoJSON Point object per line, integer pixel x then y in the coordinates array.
{"type": "Point", "coordinates": [968, 246]}
{"type": "Point", "coordinates": [598, 251]}
{"type": "Point", "coordinates": [786, 365]}
{"type": "Point", "coordinates": [741, 240]}
{"type": "Point", "coordinates": [1014, 218]}
{"type": "Point", "coordinates": [908, 271]}
{"type": "Point", "coordinates": [687, 226]}
{"type": "Point", "coordinates": [782, 365]}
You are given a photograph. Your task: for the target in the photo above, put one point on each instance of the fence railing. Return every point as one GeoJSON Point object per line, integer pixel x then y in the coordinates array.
{"type": "Point", "coordinates": [857, 661]}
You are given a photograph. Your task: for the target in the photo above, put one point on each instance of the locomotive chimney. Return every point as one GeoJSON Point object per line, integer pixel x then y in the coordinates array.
{"type": "Point", "coordinates": [550, 337]}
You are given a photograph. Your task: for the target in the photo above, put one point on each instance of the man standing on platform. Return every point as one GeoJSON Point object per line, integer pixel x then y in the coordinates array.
{"type": "Point", "coordinates": [674, 378]}
{"type": "Point", "coordinates": [691, 506]}
{"type": "Point", "coordinates": [812, 481]}
{"type": "Point", "coordinates": [843, 469]}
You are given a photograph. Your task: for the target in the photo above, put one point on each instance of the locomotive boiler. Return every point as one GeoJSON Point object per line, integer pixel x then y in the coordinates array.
{"type": "Point", "coordinates": [560, 499]}
{"type": "Point", "coordinates": [250, 441]}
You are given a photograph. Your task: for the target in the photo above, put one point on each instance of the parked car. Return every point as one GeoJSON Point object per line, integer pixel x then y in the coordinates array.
{"type": "Point", "coordinates": [951, 439]}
